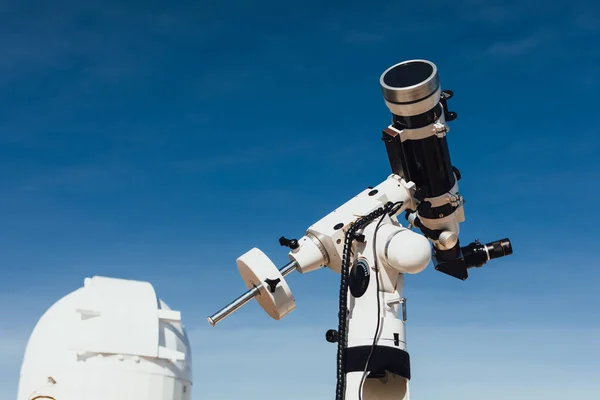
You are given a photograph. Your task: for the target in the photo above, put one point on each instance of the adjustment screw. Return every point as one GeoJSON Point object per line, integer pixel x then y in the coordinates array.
{"type": "Point", "coordinates": [447, 94]}
{"type": "Point", "coordinates": [440, 129]}
{"type": "Point", "coordinates": [291, 243]}
{"type": "Point", "coordinates": [448, 239]}
{"type": "Point", "coordinates": [332, 336]}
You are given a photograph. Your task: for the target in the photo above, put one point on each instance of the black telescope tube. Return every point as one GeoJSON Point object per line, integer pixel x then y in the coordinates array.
{"type": "Point", "coordinates": [426, 162]}
{"type": "Point", "coordinates": [411, 90]}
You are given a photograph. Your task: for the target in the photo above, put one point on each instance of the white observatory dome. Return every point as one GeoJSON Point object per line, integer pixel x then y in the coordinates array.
{"type": "Point", "coordinates": [111, 339]}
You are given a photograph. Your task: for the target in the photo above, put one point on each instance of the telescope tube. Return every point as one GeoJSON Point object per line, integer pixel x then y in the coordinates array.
{"type": "Point", "coordinates": [417, 146]}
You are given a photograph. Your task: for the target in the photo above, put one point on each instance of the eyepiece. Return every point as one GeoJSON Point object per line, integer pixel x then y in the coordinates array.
{"type": "Point", "coordinates": [411, 87]}
{"type": "Point", "coordinates": [476, 254]}
{"type": "Point", "coordinates": [499, 248]}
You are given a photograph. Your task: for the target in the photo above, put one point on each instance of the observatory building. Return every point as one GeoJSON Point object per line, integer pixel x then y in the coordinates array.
{"type": "Point", "coordinates": [110, 339]}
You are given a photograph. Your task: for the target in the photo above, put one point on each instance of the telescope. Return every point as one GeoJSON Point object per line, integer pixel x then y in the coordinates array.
{"type": "Point", "coordinates": [364, 241]}
{"type": "Point", "coordinates": [417, 149]}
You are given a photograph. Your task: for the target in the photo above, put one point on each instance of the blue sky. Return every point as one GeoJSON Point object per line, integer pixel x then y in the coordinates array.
{"type": "Point", "coordinates": [159, 143]}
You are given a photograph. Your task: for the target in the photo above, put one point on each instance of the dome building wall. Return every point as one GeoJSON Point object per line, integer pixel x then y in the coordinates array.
{"type": "Point", "coordinates": [111, 339]}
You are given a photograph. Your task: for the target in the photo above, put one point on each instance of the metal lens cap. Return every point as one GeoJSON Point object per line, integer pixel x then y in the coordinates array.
{"type": "Point", "coordinates": [358, 279]}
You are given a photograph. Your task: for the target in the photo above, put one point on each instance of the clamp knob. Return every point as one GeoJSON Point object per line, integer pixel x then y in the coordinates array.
{"type": "Point", "coordinates": [291, 243]}
{"type": "Point", "coordinates": [272, 284]}
{"type": "Point", "coordinates": [444, 97]}
{"type": "Point", "coordinates": [332, 336]}
{"type": "Point", "coordinates": [448, 239]}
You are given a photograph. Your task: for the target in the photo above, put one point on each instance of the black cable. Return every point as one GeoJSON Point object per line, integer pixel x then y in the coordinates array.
{"type": "Point", "coordinates": [364, 377]}
{"type": "Point", "coordinates": [390, 209]}
{"type": "Point", "coordinates": [343, 306]}
{"type": "Point", "coordinates": [343, 311]}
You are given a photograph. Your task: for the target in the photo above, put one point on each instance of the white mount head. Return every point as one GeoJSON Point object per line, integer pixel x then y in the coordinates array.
{"type": "Point", "coordinates": [111, 339]}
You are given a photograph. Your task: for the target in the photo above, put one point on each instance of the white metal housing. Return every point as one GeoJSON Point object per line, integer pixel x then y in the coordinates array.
{"type": "Point", "coordinates": [329, 231]}
{"type": "Point", "coordinates": [111, 339]}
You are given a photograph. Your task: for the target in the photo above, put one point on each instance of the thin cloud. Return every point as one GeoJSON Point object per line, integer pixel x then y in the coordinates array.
{"type": "Point", "coordinates": [493, 13]}
{"type": "Point", "coordinates": [505, 12]}
{"type": "Point", "coordinates": [55, 39]}
{"type": "Point", "coordinates": [587, 22]}
{"type": "Point", "coordinates": [354, 36]}
{"type": "Point", "coordinates": [515, 47]}
{"type": "Point", "coordinates": [252, 155]}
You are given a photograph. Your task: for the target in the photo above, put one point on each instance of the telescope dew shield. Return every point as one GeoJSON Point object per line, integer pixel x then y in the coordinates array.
{"type": "Point", "coordinates": [417, 146]}
{"type": "Point", "coordinates": [411, 87]}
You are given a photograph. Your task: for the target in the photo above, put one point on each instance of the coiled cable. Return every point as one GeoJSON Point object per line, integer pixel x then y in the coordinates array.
{"type": "Point", "coordinates": [351, 235]}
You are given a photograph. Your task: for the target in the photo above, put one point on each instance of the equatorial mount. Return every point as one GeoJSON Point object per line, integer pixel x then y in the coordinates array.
{"type": "Point", "coordinates": [365, 243]}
